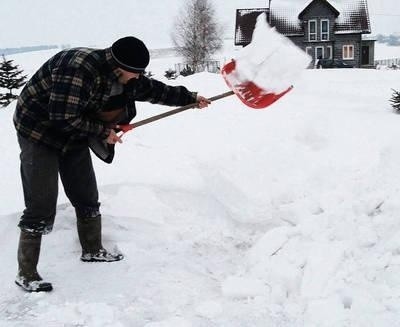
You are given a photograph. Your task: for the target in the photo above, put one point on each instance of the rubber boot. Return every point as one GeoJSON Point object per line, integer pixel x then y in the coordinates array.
{"type": "Point", "coordinates": [89, 232]}
{"type": "Point", "coordinates": [28, 256]}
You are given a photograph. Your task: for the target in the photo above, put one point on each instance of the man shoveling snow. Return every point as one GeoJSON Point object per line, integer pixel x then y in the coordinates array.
{"type": "Point", "coordinates": [78, 95]}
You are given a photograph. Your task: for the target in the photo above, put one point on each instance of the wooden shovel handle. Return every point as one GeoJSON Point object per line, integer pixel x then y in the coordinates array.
{"type": "Point", "coordinates": [128, 127]}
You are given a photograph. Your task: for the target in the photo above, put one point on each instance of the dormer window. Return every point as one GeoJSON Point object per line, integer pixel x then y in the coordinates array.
{"type": "Point", "coordinates": [324, 29]}
{"type": "Point", "coordinates": [312, 30]}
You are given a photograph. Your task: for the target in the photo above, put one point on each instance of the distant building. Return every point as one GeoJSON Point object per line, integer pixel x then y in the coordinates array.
{"type": "Point", "coordinates": [324, 29]}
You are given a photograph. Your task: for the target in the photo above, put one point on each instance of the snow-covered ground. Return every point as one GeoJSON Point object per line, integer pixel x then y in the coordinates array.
{"type": "Point", "coordinates": [230, 216]}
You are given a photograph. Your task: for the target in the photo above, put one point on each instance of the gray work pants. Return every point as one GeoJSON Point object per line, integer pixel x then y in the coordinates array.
{"type": "Point", "coordinates": [40, 167]}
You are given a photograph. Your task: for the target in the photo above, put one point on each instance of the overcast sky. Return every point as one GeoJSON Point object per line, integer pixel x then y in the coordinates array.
{"type": "Point", "coordinates": [100, 22]}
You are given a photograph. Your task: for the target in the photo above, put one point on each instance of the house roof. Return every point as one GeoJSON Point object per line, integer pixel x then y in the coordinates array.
{"type": "Point", "coordinates": [310, 3]}
{"type": "Point", "coordinates": [353, 17]}
{"type": "Point", "coordinates": [245, 23]}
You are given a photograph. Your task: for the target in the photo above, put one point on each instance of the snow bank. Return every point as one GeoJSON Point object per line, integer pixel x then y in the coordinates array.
{"type": "Point", "coordinates": [232, 217]}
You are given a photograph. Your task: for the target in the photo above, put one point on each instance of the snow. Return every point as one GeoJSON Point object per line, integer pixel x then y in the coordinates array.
{"type": "Point", "coordinates": [230, 216]}
{"type": "Point", "coordinates": [285, 60]}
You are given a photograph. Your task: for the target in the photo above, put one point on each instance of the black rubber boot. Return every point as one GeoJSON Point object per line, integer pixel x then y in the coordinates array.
{"type": "Point", "coordinates": [28, 256]}
{"type": "Point", "coordinates": [89, 232]}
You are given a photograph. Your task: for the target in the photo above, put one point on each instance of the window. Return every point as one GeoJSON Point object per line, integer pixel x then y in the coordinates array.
{"type": "Point", "coordinates": [328, 54]}
{"type": "Point", "coordinates": [348, 52]}
{"type": "Point", "coordinates": [312, 30]}
{"type": "Point", "coordinates": [324, 29]}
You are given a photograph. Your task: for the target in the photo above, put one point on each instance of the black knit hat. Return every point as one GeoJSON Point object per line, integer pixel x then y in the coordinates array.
{"type": "Point", "coordinates": [131, 54]}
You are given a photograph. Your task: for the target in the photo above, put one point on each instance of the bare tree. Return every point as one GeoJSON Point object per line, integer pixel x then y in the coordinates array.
{"type": "Point", "coordinates": [197, 34]}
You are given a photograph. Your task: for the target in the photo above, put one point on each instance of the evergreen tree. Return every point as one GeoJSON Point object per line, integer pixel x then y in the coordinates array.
{"type": "Point", "coordinates": [196, 34]}
{"type": "Point", "coordinates": [10, 78]}
{"type": "Point", "coordinates": [395, 101]}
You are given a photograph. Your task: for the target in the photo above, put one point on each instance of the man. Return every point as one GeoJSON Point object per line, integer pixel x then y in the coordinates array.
{"type": "Point", "coordinates": [318, 63]}
{"type": "Point", "coordinates": [76, 100]}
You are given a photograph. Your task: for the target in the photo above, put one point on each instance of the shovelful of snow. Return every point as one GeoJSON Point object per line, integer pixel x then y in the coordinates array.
{"type": "Point", "coordinates": [271, 60]}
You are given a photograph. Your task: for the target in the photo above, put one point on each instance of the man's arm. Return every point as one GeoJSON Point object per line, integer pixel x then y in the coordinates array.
{"type": "Point", "coordinates": [151, 90]}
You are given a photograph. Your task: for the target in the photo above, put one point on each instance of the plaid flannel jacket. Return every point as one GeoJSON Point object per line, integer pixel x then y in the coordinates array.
{"type": "Point", "coordinates": [58, 107]}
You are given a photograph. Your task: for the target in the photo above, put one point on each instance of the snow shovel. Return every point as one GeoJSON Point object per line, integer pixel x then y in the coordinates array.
{"type": "Point", "coordinates": [248, 92]}
{"type": "Point", "coordinates": [258, 76]}
{"type": "Point", "coordinates": [251, 94]}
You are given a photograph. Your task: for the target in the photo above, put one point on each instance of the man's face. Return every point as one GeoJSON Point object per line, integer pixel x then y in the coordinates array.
{"type": "Point", "coordinates": [124, 76]}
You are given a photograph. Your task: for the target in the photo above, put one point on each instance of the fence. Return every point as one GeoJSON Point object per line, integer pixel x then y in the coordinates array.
{"type": "Point", "coordinates": [211, 66]}
{"type": "Point", "coordinates": [388, 62]}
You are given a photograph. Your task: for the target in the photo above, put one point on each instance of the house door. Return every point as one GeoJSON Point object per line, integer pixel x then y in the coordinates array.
{"type": "Point", "coordinates": [365, 55]}
{"type": "Point", "coordinates": [319, 53]}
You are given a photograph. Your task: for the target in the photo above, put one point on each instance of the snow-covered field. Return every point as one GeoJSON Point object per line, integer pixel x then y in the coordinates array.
{"type": "Point", "coordinates": [229, 216]}
{"type": "Point", "coordinates": [384, 51]}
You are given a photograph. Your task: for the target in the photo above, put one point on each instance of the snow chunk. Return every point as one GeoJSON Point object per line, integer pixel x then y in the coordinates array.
{"type": "Point", "coordinates": [209, 309]}
{"type": "Point", "coordinates": [243, 287]}
{"type": "Point", "coordinates": [270, 243]}
{"type": "Point", "coordinates": [322, 264]}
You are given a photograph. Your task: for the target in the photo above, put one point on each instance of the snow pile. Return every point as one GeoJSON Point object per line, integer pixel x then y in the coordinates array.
{"type": "Point", "coordinates": [228, 216]}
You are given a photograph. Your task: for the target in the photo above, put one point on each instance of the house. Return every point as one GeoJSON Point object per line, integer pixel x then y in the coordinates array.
{"type": "Point", "coordinates": [324, 29]}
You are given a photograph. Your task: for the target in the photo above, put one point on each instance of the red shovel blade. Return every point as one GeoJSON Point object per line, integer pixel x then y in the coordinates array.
{"type": "Point", "coordinates": [247, 91]}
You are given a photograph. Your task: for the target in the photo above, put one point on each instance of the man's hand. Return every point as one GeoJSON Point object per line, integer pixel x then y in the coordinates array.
{"type": "Point", "coordinates": [113, 138]}
{"type": "Point", "coordinates": [202, 102]}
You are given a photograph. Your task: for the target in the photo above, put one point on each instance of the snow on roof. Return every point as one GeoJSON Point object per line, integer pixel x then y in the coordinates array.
{"type": "Point", "coordinates": [353, 15]}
